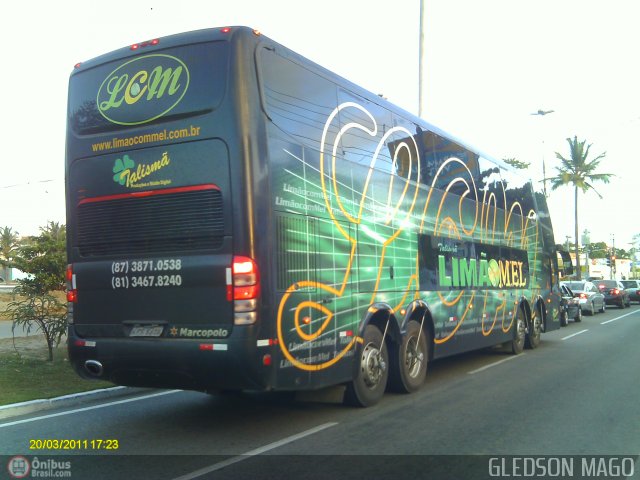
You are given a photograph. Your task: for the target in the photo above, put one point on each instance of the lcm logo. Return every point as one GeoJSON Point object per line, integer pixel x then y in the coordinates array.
{"type": "Point", "coordinates": [143, 89]}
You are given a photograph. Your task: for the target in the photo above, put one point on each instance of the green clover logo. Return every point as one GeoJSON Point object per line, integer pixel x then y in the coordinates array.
{"type": "Point", "coordinates": [122, 164]}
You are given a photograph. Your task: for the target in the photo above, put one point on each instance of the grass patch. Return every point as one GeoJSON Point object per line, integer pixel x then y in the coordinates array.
{"type": "Point", "coordinates": [29, 376]}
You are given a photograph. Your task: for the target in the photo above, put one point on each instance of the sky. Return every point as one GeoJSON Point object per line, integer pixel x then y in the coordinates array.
{"type": "Point", "coordinates": [489, 65]}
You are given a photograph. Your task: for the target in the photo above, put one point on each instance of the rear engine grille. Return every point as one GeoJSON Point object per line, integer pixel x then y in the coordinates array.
{"type": "Point", "coordinates": [162, 222]}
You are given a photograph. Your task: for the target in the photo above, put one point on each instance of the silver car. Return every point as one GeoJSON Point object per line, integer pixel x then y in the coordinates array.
{"type": "Point", "coordinates": [591, 299]}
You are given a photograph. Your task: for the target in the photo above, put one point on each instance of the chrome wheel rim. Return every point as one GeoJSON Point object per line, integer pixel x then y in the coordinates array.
{"type": "Point", "coordinates": [413, 358]}
{"type": "Point", "coordinates": [372, 365]}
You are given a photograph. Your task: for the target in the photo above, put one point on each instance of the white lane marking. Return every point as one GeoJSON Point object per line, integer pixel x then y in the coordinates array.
{"type": "Point", "coordinates": [481, 369]}
{"type": "Point", "coordinates": [86, 409]}
{"type": "Point", "coordinates": [618, 318]}
{"type": "Point", "coordinates": [575, 334]}
{"type": "Point", "coordinates": [257, 451]}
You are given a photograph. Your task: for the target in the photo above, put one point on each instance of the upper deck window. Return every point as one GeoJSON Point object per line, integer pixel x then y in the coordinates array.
{"type": "Point", "coordinates": [149, 87]}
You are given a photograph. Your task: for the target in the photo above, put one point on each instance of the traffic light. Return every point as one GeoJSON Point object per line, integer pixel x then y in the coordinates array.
{"type": "Point", "coordinates": [608, 261]}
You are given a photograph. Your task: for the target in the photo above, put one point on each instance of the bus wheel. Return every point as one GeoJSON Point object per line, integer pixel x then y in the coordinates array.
{"type": "Point", "coordinates": [519, 333]}
{"type": "Point", "coordinates": [370, 381]}
{"type": "Point", "coordinates": [409, 360]}
{"type": "Point", "coordinates": [535, 330]}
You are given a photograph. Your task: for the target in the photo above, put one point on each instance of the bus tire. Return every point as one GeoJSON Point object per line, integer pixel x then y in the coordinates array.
{"type": "Point", "coordinates": [519, 333]}
{"type": "Point", "coordinates": [409, 361]}
{"type": "Point", "coordinates": [370, 380]}
{"type": "Point", "coordinates": [532, 339]}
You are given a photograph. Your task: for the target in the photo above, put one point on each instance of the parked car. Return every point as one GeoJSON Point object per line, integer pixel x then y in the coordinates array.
{"type": "Point", "coordinates": [633, 289]}
{"type": "Point", "coordinates": [590, 298]}
{"type": "Point", "coordinates": [570, 306]}
{"type": "Point", "coordinates": [614, 293]}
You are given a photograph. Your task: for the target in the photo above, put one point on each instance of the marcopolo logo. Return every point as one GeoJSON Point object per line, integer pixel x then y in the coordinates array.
{"type": "Point", "coordinates": [143, 89]}
{"type": "Point", "coordinates": [452, 264]}
{"type": "Point", "coordinates": [187, 332]}
{"type": "Point", "coordinates": [129, 174]}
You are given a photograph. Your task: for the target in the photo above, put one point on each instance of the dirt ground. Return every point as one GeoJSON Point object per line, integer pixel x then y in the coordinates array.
{"type": "Point", "coordinates": [5, 298]}
{"type": "Point", "coordinates": [31, 346]}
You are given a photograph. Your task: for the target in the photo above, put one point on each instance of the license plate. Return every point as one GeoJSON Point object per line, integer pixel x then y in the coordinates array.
{"type": "Point", "coordinates": [147, 331]}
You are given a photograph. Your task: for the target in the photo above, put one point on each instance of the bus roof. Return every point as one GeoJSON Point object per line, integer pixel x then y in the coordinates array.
{"type": "Point", "coordinates": [229, 33]}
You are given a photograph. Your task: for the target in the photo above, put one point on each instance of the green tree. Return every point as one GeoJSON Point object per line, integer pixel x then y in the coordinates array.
{"type": "Point", "coordinates": [44, 259]}
{"type": "Point", "coordinates": [8, 247]}
{"type": "Point", "coordinates": [39, 312]}
{"type": "Point", "coordinates": [599, 250]}
{"type": "Point", "coordinates": [515, 163]}
{"type": "Point", "coordinates": [579, 171]}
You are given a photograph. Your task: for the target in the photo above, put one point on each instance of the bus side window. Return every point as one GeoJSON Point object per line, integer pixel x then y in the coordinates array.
{"type": "Point", "coordinates": [403, 148]}
{"type": "Point", "coordinates": [518, 190]}
{"type": "Point", "coordinates": [357, 145]}
{"type": "Point", "coordinates": [297, 100]}
{"type": "Point", "coordinates": [447, 163]}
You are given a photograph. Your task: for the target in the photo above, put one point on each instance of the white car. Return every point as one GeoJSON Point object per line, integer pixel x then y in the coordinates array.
{"type": "Point", "coordinates": [591, 299]}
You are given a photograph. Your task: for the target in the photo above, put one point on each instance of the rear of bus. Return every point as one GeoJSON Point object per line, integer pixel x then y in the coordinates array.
{"type": "Point", "coordinates": [163, 290]}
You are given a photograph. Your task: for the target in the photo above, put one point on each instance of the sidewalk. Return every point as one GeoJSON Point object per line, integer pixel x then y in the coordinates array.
{"type": "Point", "coordinates": [71, 400]}
{"type": "Point", "coordinates": [5, 330]}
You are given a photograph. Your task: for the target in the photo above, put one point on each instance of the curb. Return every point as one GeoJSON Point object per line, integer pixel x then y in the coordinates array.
{"type": "Point", "coordinates": [22, 408]}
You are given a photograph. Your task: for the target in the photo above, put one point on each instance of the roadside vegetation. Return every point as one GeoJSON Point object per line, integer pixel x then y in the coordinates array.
{"type": "Point", "coordinates": [25, 373]}
{"type": "Point", "coordinates": [34, 306]}
{"type": "Point", "coordinates": [36, 366]}
{"type": "Point", "coordinates": [578, 170]}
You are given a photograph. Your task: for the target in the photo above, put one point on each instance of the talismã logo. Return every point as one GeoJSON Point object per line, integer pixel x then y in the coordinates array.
{"type": "Point", "coordinates": [131, 175]}
{"type": "Point", "coordinates": [143, 89]}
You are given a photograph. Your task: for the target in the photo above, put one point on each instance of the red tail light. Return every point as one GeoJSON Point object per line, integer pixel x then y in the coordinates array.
{"type": "Point", "coordinates": [246, 293]}
{"type": "Point", "coordinates": [615, 291]}
{"type": "Point", "coordinates": [246, 278]}
{"type": "Point", "coordinates": [243, 288]}
{"type": "Point", "coordinates": [583, 295]}
{"type": "Point", "coordinates": [72, 292]}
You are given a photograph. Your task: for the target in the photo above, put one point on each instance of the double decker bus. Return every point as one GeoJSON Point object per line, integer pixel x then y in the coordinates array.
{"type": "Point", "coordinates": [240, 218]}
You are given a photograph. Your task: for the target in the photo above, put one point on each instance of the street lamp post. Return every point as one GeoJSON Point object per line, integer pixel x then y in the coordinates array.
{"type": "Point", "coordinates": [421, 61]}
{"type": "Point", "coordinates": [542, 113]}
{"type": "Point", "coordinates": [586, 244]}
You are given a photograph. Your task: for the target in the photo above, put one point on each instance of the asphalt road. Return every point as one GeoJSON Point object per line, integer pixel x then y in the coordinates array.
{"type": "Point", "coordinates": [578, 394]}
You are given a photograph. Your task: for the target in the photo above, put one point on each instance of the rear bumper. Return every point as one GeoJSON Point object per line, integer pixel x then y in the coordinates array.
{"type": "Point", "coordinates": [614, 300]}
{"type": "Point", "coordinates": [572, 310]}
{"type": "Point", "coordinates": [229, 364]}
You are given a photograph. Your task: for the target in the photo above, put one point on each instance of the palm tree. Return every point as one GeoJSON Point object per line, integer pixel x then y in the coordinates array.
{"type": "Point", "coordinates": [8, 246]}
{"type": "Point", "coordinates": [579, 171]}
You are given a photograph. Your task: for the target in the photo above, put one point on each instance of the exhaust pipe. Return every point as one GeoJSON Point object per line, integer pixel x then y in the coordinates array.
{"type": "Point", "coordinates": [94, 368]}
